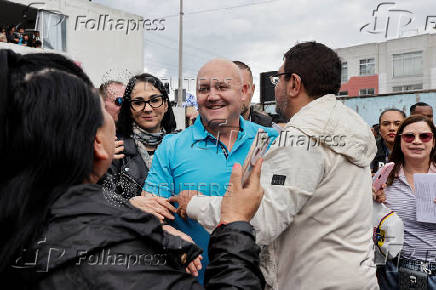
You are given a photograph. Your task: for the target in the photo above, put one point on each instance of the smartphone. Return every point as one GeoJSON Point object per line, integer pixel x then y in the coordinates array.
{"type": "Point", "coordinates": [277, 127]}
{"type": "Point", "coordinates": [381, 176]}
{"type": "Point", "coordinates": [257, 150]}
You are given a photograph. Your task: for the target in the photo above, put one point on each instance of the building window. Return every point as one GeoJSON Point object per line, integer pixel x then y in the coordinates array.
{"type": "Point", "coordinates": [407, 64]}
{"type": "Point", "coordinates": [344, 72]}
{"type": "Point", "coordinates": [52, 27]}
{"type": "Point", "coordinates": [369, 91]}
{"type": "Point", "coordinates": [367, 67]}
{"type": "Point", "coordinates": [407, 88]}
{"type": "Point", "coordinates": [343, 93]}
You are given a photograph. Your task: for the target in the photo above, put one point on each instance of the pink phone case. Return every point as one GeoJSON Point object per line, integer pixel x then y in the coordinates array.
{"type": "Point", "coordinates": [382, 176]}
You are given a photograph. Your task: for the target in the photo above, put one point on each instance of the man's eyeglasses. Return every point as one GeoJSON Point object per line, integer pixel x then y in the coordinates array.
{"type": "Point", "coordinates": [155, 101]}
{"type": "Point", "coordinates": [118, 101]}
{"type": "Point", "coordinates": [276, 78]}
{"type": "Point", "coordinates": [410, 137]}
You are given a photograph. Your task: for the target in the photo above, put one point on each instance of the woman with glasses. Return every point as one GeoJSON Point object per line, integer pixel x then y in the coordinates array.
{"type": "Point", "coordinates": [144, 119]}
{"type": "Point", "coordinates": [413, 152]}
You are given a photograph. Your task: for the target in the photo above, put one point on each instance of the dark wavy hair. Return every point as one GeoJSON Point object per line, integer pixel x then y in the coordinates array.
{"type": "Point", "coordinates": [397, 154]}
{"type": "Point", "coordinates": [49, 118]}
{"type": "Point", "coordinates": [125, 119]}
{"type": "Point", "coordinates": [318, 66]}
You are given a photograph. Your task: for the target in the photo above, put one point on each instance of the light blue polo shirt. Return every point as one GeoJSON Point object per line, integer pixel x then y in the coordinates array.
{"type": "Point", "coordinates": [193, 159]}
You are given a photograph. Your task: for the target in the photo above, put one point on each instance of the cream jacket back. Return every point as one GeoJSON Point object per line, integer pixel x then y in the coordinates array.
{"type": "Point", "coordinates": [315, 217]}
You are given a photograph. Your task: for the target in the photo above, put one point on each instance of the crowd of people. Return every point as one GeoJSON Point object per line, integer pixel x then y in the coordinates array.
{"type": "Point", "coordinates": [108, 194]}
{"type": "Point", "coordinates": [17, 35]}
{"type": "Point", "coordinates": [409, 143]}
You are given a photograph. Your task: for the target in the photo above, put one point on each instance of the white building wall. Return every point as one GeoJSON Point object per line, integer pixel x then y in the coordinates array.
{"type": "Point", "coordinates": [383, 54]}
{"type": "Point", "coordinates": [405, 45]}
{"type": "Point", "coordinates": [180, 116]}
{"type": "Point", "coordinates": [105, 54]}
{"type": "Point", "coordinates": [353, 55]}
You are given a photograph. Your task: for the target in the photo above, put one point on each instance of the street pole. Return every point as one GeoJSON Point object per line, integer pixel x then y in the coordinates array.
{"type": "Point", "coordinates": [180, 90]}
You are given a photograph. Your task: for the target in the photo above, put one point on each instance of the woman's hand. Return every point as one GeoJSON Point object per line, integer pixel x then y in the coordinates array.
{"type": "Point", "coordinates": [119, 148]}
{"type": "Point", "coordinates": [195, 265]}
{"type": "Point", "coordinates": [153, 204]}
{"type": "Point", "coordinates": [379, 195]}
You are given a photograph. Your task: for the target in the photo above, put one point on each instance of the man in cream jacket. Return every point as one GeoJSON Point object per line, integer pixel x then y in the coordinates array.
{"type": "Point", "coordinates": [315, 216]}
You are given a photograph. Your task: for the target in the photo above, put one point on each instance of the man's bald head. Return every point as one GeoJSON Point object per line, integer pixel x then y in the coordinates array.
{"type": "Point", "coordinates": [220, 67]}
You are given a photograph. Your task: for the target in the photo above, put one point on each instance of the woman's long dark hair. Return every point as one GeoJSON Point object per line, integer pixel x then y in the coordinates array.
{"type": "Point", "coordinates": [125, 119]}
{"type": "Point", "coordinates": [49, 119]}
{"type": "Point", "coordinates": [397, 154]}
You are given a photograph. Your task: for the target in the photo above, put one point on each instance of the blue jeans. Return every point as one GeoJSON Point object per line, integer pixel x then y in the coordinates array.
{"type": "Point", "coordinates": [387, 276]}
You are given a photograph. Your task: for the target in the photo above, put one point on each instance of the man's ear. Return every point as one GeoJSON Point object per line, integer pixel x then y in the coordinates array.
{"type": "Point", "coordinates": [244, 89]}
{"type": "Point", "coordinates": [293, 86]}
{"type": "Point", "coordinates": [100, 152]}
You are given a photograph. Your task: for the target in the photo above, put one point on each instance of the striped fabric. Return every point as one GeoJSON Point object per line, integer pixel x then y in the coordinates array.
{"type": "Point", "coordinates": [419, 238]}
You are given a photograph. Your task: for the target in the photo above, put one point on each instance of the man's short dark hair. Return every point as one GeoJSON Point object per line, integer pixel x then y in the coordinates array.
{"type": "Point", "coordinates": [413, 107]}
{"type": "Point", "coordinates": [318, 66]}
{"type": "Point", "coordinates": [243, 66]}
{"type": "Point", "coordinates": [104, 88]}
{"type": "Point", "coordinates": [391, 110]}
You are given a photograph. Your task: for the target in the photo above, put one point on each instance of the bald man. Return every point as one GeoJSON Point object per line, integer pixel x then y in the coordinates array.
{"type": "Point", "coordinates": [201, 157]}
{"type": "Point", "coordinates": [112, 93]}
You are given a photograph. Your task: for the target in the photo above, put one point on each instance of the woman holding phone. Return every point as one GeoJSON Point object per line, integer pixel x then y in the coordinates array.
{"type": "Point", "coordinates": [413, 152]}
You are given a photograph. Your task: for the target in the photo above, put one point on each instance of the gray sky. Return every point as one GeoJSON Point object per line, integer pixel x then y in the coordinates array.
{"type": "Point", "coordinates": [258, 32]}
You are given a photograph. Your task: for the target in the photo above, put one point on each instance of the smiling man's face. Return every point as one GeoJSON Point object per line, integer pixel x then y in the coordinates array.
{"type": "Point", "coordinates": [219, 91]}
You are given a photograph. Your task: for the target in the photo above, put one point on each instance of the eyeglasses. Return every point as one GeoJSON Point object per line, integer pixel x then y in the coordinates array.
{"type": "Point", "coordinates": [155, 101]}
{"type": "Point", "coordinates": [276, 78]}
{"type": "Point", "coordinates": [410, 137]}
{"type": "Point", "coordinates": [118, 101]}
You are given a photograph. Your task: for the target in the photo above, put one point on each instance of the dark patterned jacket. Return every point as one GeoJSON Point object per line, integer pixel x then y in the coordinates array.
{"type": "Point", "coordinates": [95, 241]}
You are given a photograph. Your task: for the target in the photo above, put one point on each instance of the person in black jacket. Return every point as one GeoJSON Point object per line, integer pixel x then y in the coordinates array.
{"type": "Point", "coordinates": [11, 35]}
{"type": "Point", "coordinates": [247, 111]}
{"type": "Point", "coordinates": [60, 230]}
{"type": "Point", "coordinates": [144, 119]}
{"type": "Point", "coordinates": [389, 121]}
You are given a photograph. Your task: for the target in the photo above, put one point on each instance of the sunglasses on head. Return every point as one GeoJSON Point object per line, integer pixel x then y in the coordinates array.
{"type": "Point", "coordinates": [118, 101]}
{"type": "Point", "coordinates": [410, 137]}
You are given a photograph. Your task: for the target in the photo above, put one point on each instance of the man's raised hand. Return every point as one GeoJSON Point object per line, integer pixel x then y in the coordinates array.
{"type": "Point", "coordinates": [240, 203]}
